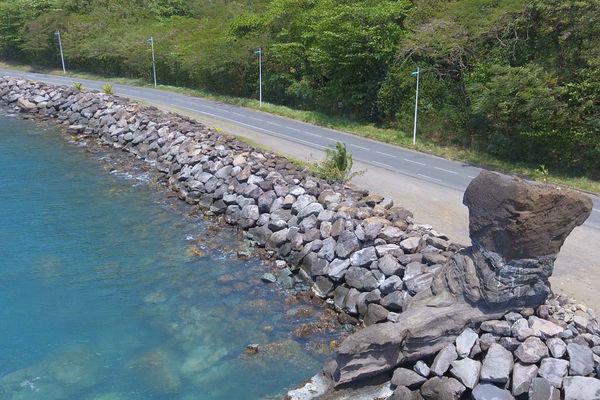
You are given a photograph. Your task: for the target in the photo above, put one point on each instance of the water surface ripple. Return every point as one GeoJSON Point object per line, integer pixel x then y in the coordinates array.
{"type": "Point", "coordinates": [109, 291]}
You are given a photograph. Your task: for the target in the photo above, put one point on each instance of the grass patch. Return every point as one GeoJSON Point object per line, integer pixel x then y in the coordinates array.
{"type": "Point", "coordinates": [391, 136]}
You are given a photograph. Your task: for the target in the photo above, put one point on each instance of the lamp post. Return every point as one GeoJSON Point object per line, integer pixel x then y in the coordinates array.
{"type": "Point", "coordinates": [258, 52]}
{"type": "Point", "coordinates": [416, 73]}
{"type": "Point", "coordinates": [151, 43]}
{"type": "Point", "coordinates": [62, 57]}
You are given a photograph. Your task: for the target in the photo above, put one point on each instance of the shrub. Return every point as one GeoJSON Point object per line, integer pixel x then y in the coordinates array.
{"type": "Point", "coordinates": [337, 166]}
{"type": "Point", "coordinates": [78, 86]}
{"type": "Point", "coordinates": [108, 89]}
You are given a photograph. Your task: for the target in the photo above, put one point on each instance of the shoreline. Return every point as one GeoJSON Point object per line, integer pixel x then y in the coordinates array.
{"type": "Point", "coordinates": [366, 259]}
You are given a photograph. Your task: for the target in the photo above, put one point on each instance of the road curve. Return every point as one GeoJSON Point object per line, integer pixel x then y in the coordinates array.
{"type": "Point", "coordinates": [425, 167]}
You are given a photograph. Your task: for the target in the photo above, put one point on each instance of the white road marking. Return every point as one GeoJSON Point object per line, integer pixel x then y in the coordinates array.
{"type": "Point", "coordinates": [429, 177]}
{"type": "Point", "coordinates": [358, 147]}
{"type": "Point", "coordinates": [273, 123]}
{"type": "Point", "coordinates": [330, 139]}
{"type": "Point", "coordinates": [310, 133]}
{"type": "Point", "coordinates": [446, 170]}
{"type": "Point", "coordinates": [297, 130]}
{"type": "Point", "coordinates": [382, 165]}
{"type": "Point", "coordinates": [256, 119]}
{"type": "Point", "coordinates": [386, 154]}
{"type": "Point", "coordinates": [258, 128]}
{"type": "Point", "coordinates": [238, 114]}
{"type": "Point", "coordinates": [414, 162]}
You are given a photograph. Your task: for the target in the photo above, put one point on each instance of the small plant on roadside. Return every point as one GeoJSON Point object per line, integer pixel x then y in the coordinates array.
{"type": "Point", "coordinates": [78, 86]}
{"type": "Point", "coordinates": [337, 166]}
{"type": "Point", "coordinates": [108, 89]}
{"type": "Point", "coordinates": [542, 173]}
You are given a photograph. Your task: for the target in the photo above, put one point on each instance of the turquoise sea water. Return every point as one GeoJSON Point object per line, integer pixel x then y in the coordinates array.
{"type": "Point", "coordinates": [111, 291]}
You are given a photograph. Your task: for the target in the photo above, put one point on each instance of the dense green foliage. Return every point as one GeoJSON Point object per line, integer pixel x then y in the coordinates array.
{"type": "Point", "coordinates": [518, 79]}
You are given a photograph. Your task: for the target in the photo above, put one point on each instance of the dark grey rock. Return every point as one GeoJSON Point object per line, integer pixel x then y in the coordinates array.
{"type": "Point", "coordinates": [375, 314]}
{"type": "Point", "coordinates": [408, 378]}
{"type": "Point", "coordinates": [581, 359]}
{"type": "Point", "coordinates": [509, 343]}
{"type": "Point", "coordinates": [266, 200]}
{"type": "Point", "coordinates": [521, 330]}
{"type": "Point", "coordinates": [327, 250]}
{"type": "Point", "coordinates": [323, 287]}
{"type": "Point", "coordinates": [339, 297]}
{"type": "Point", "coordinates": [497, 364]}
{"type": "Point", "coordinates": [581, 388]}
{"type": "Point", "coordinates": [442, 361]}
{"type": "Point", "coordinates": [393, 301]}
{"type": "Point", "coordinates": [522, 377]}
{"type": "Point", "coordinates": [488, 391]}
{"type": "Point", "coordinates": [388, 265]}
{"type": "Point", "coordinates": [544, 328]}
{"type": "Point", "coordinates": [401, 393]}
{"type": "Point", "coordinates": [311, 209]}
{"type": "Point", "coordinates": [542, 389]}
{"type": "Point", "coordinates": [422, 369]}
{"type": "Point", "coordinates": [413, 269]}
{"type": "Point", "coordinates": [363, 256]}
{"type": "Point", "coordinates": [362, 279]}
{"type": "Point", "coordinates": [419, 283]}
{"type": "Point", "coordinates": [391, 284]}
{"type": "Point", "coordinates": [347, 244]}
{"type": "Point", "coordinates": [553, 370]}
{"type": "Point", "coordinates": [466, 371]}
{"type": "Point", "coordinates": [465, 342]}
{"type": "Point", "coordinates": [500, 328]}
{"type": "Point", "coordinates": [260, 234]}
{"type": "Point", "coordinates": [268, 278]}
{"type": "Point", "coordinates": [531, 351]}
{"type": "Point", "coordinates": [442, 388]}
{"type": "Point", "coordinates": [411, 245]}
{"type": "Point", "coordinates": [337, 269]}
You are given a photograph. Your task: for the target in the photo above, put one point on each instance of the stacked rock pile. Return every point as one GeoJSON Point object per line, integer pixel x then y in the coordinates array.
{"type": "Point", "coordinates": [366, 257]}
{"type": "Point", "coordinates": [550, 354]}
{"type": "Point", "coordinates": [363, 254]}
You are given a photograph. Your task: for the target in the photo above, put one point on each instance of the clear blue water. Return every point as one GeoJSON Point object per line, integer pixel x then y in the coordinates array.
{"type": "Point", "coordinates": [111, 291]}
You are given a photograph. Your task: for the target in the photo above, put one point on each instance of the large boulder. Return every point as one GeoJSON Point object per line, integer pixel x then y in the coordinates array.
{"type": "Point", "coordinates": [518, 219]}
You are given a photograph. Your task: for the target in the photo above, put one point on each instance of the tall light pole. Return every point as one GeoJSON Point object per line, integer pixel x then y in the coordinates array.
{"type": "Point", "coordinates": [62, 56]}
{"type": "Point", "coordinates": [416, 73]}
{"type": "Point", "coordinates": [151, 43]}
{"type": "Point", "coordinates": [259, 53]}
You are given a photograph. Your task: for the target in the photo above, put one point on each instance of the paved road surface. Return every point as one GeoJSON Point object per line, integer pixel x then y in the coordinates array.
{"type": "Point", "coordinates": [436, 170]}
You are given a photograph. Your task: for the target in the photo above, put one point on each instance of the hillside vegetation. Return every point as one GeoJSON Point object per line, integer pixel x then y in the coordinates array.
{"type": "Point", "coordinates": [516, 79]}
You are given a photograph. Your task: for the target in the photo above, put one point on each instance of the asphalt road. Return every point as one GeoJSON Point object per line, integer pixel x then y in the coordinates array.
{"type": "Point", "coordinates": [425, 167]}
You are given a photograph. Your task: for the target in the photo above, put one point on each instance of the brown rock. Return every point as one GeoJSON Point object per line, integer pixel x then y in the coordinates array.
{"type": "Point", "coordinates": [519, 219]}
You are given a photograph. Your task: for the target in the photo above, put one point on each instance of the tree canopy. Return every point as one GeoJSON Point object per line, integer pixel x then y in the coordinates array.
{"type": "Point", "coordinates": [518, 79]}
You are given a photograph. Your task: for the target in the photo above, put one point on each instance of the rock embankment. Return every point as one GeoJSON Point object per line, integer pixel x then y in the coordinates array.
{"type": "Point", "coordinates": [361, 253]}
{"type": "Point", "coordinates": [442, 322]}
{"type": "Point", "coordinates": [548, 353]}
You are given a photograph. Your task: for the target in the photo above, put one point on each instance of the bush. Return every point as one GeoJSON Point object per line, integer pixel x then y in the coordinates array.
{"type": "Point", "coordinates": [337, 166]}
{"type": "Point", "coordinates": [108, 89]}
{"type": "Point", "coordinates": [78, 86]}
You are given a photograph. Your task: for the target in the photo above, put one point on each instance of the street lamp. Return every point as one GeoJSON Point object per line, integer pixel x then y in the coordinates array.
{"type": "Point", "coordinates": [151, 43]}
{"type": "Point", "coordinates": [416, 73]}
{"type": "Point", "coordinates": [258, 52]}
{"type": "Point", "coordinates": [62, 57]}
